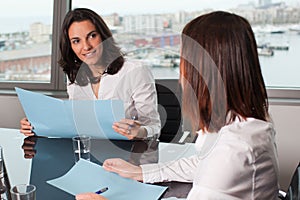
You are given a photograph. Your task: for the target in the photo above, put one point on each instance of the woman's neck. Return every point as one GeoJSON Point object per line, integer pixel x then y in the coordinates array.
{"type": "Point", "coordinates": [97, 70]}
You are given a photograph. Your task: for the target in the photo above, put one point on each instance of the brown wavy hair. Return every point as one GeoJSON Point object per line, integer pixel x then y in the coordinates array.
{"type": "Point", "coordinates": [220, 72]}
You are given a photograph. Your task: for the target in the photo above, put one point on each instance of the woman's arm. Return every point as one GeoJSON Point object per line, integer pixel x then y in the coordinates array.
{"type": "Point", "coordinates": [181, 170]}
{"type": "Point", "coordinates": [144, 96]}
{"type": "Point", "coordinates": [137, 88]}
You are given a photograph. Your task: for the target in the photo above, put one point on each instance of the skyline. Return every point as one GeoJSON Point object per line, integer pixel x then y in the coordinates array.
{"type": "Point", "coordinates": [123, 7]}
{"type": "Point", "coordinates": [20, 18]}
{"type": "Point", "coordinates": [21, 8]}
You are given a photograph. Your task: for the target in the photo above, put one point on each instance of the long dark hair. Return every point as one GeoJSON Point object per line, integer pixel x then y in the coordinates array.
{"type": "Point", "coordinates": [226, 42]}
{"type": "Point", "coordinates": [112, 56]}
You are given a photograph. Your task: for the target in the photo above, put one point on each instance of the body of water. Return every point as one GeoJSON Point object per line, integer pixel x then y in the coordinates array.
{"type": "Point", "coordinates": [283, 68]}
{"type": "Point", "coordinates": [280, 70]}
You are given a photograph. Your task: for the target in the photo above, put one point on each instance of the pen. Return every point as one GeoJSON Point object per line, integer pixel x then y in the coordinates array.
{"type": "Point", "coordinates": [134, 118]}
{"type": "Point", "coordinates": [102, 190]}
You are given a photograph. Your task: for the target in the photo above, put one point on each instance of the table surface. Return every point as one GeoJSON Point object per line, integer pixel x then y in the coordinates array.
{"type": "Point", "coordinates": [37, 159]}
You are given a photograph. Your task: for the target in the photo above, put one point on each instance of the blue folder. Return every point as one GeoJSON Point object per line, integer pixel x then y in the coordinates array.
{"type": "Point", "coordinates": [52, 117]}
{"type": "Point", "coordinates": [86, 176]}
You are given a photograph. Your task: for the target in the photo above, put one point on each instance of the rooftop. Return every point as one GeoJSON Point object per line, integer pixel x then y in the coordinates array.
{"type": "Point", "coordinates": [35, 50]}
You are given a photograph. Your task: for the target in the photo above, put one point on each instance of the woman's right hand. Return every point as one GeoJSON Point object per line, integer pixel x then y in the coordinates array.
{"type": "Point", "coordinates": [26, 127]}
{"type": "Point", "coordinates": [89, 196]}
{"type": "Point", "coordinates": [123, 168]}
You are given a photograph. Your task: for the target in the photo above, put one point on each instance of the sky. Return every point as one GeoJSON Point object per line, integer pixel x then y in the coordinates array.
{"type": "Point", "coordinates": [25, 12]}
{"type": "Point", "coordinates": [25, 8]}
{"type": "Point", "coordinates": [29, 7]}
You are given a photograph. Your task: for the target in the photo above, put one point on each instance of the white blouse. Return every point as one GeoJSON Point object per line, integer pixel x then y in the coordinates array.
{"type": "Point", "coordinates": [238, 162]}
{"type": "Point", "coordinates": [134, 85]}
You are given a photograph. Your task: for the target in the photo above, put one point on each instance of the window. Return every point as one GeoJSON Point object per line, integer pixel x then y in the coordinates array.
{"type": "Point", "coordinates": [145, 30]}
{"type": "Point", "coordinates": [27, 46]}
{"type": "Point", "coordinates": [149, 31]}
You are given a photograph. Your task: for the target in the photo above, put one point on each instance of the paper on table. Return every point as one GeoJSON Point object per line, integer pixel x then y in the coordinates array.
{"type": "Point", "coordinates": [52, 117]}
{"type": "Point", "coordinates": [86, 176]}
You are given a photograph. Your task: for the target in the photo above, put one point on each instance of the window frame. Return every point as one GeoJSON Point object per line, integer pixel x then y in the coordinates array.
{"type": "Point", "coordinates": [284, 96]}
{"type": "Point", "coordinates": [57, 82]}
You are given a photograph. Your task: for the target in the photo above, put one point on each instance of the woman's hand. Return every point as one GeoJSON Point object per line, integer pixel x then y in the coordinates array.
{"type": "Point", "coordinates": [123, 168]}
{"type": "Point", "coordinates": [130, 128]}
{"type": "Point", "coordinates": [89, 196]}
{"type": "Point", "coordinates": [26, 127]}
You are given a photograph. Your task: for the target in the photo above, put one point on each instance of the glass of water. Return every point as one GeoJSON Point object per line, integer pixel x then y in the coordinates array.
{"type": "Point", "coordinates": [81, 147]}
{"type": "Point", "coordinates": [23, 192]}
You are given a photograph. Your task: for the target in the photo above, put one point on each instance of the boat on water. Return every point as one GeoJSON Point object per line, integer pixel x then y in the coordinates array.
{"type": "Point", "coordinates": [275, 46]}
{"type": "Point", "coordinates": [265, 51]}
{"type": "Point", "coordinates": [277, 32]}
{"type": "Point", "coordinates": [279, 47]}
{"type": "Point", "coordinates": [295, 28]}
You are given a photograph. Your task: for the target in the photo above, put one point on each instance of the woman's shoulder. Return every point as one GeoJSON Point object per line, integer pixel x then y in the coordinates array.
{"type": "Point", "coordinates": [251, 136]}
{"type": "Point", "coordinates": [249, 127]}
{"type": "Point", "coordinates": [133, 65]}
{"type": "Point", "coordinates": [137, 69]}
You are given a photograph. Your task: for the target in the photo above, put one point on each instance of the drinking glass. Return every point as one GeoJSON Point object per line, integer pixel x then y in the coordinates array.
{"type": "Point", "coordinates": [81, 147]}
{"type": "Point", "coordinates": [23, 192]}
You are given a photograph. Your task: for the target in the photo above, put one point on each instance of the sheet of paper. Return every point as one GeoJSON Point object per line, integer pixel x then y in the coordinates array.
{"type": "Point", "coordinates": [86, 176]}
{"type": "Point", "coordinates": [52, 117]}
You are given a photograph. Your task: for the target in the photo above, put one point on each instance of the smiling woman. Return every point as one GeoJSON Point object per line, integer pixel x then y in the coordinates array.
{"type": "Point", "coordinates": [29, 54]}
{"type": "Point", "coordinates": [85, 42]}
{"type": "Point", "coordinates": [89, 50]}
{"type": "Point", "coordinates": [28, 40]}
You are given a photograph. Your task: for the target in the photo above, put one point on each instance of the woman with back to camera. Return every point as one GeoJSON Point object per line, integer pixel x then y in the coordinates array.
{"type": "Point", "coordinates": [96, 69]}
{"type": "Point", "coordinates": [237, 156]}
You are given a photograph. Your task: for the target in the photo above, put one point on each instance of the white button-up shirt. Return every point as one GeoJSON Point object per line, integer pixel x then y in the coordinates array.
{"type": "Point", "coordinates": [238, 162]}
{"type": "Point", "coordinates": [134, 85]}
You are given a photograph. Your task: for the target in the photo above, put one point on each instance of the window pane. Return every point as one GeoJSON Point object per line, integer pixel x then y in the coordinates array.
{"type": "Point", "coordinates": [25, 41]}
{"type": "Point", "coordinates": [150, 30]}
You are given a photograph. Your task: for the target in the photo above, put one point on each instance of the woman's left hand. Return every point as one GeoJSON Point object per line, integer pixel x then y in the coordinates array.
{"type": "Point", "coordinates": [130, 129]}
{"type": "Point", "coordinates": [123, 168]}
{"type": "Point", "coordinates": [89, 196]}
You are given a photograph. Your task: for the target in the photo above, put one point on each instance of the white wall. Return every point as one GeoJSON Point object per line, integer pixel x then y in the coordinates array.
{"type": "Point", "coordinates": [287, 124]}
{"type": "Point", "coordinates": [286, 120]}
{"type": "Point", "coordinates": [10, 112]}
